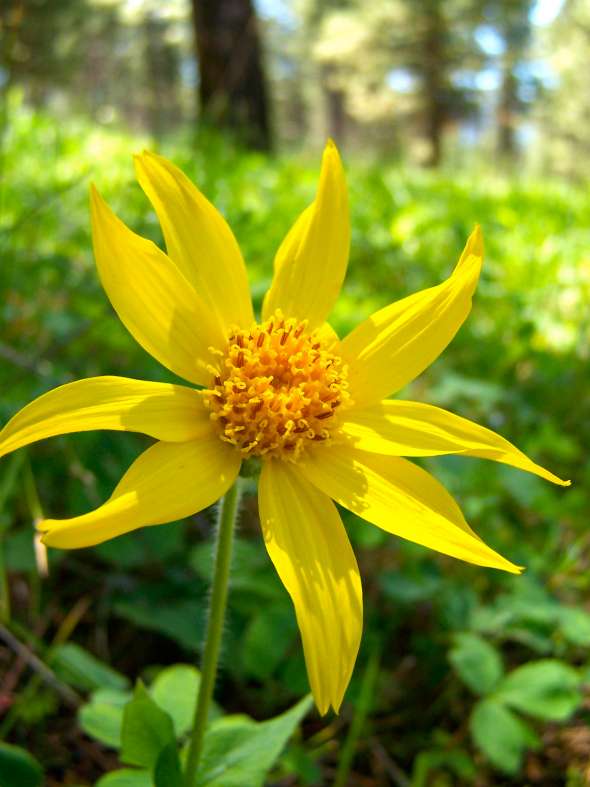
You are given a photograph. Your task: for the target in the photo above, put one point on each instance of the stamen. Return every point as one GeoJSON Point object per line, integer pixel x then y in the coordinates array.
{"type": "Point", "coordinates": [277, 389]}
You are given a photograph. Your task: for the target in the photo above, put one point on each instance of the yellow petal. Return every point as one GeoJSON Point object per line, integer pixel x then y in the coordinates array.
{"type": "Point", "coordinates": [399, 428]}
{"type": "Point", "coordinates": [152, 297]}
{"type": "Point", "coordinates": [167, 412]}
{"type": "Point", "coordinates": [198, 240]}
{"type": "Point", "coordinates": [311, 262]}
{"type": "Point", "coordinates": [167, 482]}
{"type": "Point", "coordinates": [394, 345]}
{"type": "Point", "coordinates": [398, 497]}
{"type": "Point", "coordinates": [310, 550]}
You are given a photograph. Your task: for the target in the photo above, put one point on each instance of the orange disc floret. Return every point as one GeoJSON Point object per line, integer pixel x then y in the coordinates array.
{"type": "Point", "coordinates": [278, 388]}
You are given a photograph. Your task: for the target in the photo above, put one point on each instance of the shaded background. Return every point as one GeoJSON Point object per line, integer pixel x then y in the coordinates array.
{"type": "Point", "coordinates": [447, 114]}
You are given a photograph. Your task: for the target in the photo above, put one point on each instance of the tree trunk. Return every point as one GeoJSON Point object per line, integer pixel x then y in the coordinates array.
{"type": "Point", "coordinates": [434, 66]}
{"type": "Point", "coordinates": [232, 87]}
{"type": "Point", "coordinates": [335, 109]}
{"type": "Point", "coordinates": [506, 114]}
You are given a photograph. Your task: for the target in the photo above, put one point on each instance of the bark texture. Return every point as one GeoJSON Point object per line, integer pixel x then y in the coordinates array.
{"type": "Point", "coordinates": [232, 85]}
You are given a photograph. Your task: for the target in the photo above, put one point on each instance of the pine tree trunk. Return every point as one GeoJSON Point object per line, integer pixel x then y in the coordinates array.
{"type": "Point", "coordinates": [435, 110]}
{"type": "Point", "coordinates": [335, 108]}
{"type": "Point", "coordinates": [506, 114]}
{"type": "Point", "coordinates": [232, 87]}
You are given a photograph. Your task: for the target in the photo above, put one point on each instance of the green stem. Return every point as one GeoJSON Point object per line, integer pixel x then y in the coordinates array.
{"type": "Point", "coordinates": [223, 548]}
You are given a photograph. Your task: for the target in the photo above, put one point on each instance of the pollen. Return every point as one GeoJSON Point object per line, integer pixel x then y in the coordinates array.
{"type": "Point", "coordinates": [277, 389]}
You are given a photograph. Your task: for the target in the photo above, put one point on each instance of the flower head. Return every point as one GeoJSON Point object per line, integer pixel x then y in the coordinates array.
{"type": "Point", "coordinates": [285, 389]}
{"type": "Point", "coordinates": [278, 388]}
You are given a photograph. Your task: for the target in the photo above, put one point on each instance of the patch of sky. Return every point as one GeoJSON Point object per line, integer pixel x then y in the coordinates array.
{"type": "Point", "coordinates": [279, 10]}
{"type": "Point", "coordinates": [489, 40]}
{"type": "Point", "coordinates": [537, 71]}
{"type": "Point", "coordinates": [487, 79]}
{"type": "Point", "coordinates": [401, 80]}
{"type": "Point", "coordinates": [544, 12]}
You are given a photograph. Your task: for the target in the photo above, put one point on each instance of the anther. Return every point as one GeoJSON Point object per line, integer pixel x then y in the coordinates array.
{"type": "Point", "coordinates": [274, 387]}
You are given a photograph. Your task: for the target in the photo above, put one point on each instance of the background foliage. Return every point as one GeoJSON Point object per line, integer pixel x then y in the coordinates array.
{"type": "Point", "coordinates": [466, 676]}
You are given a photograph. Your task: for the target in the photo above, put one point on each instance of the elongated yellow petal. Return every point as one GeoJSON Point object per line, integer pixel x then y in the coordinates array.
{"type": "Point", "coordinates": [399, 497]}
{"type": "Point", "coordinates": [153, 299]}
{"type": "Point", "coordinates": [400, 428]}
{"type": "Point", "coordinates": [167, 482]}
{"type": "Point", "coordinates": [310, 264]}
{"type": "Point", "coordinates": [396, 344]}
{"type": "Point", "coordinates": [198, 240]}
{"type": "Point", "coordinates": [310, 550]}
{"type": "Point", "coordinates": [167, 412]}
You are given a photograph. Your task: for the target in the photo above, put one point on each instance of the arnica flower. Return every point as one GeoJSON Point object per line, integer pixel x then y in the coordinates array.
{"type": "Point", "coordinates": [286, 390]}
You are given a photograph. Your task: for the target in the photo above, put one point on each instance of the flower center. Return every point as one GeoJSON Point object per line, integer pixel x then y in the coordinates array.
{"type": "Point", "coordinates": [278, 389]}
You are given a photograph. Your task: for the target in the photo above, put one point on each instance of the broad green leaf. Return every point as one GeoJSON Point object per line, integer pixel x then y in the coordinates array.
{"type": "Point", "coordinates": [179, 620]}
{"type": "Point", "coordinates": [585, 675]}
{"type": "Point", "coordinates": [175, 690]}
{"type": "Point", "coordinates": [434, 760]}
{"type": "Point", "coordinates": [18, 768]}
{"type": "Point", "coordinates": [19, 550]}
{"type": "Point", "coordinates": [126, 777]}
{"type": "Point", "coordinates": [477, 662]}
{"type": "Point", "coordinates": [148, 545]}
{"type": "Point", "coordinates": [575, 625]}
{"type": "Point", "coordinates": [81, 669]}
{"type": "Point", "coordinates": [547, 689]}
{"type": "Point", "coordinates": [501, 735]}
{"type": "Point", "coordinates": [102, 717]}
{"type": "Point", "coordinates": [167, 770]}
{"type": "Point", "coordinates": [146, 730]}
{"type": "Point", "coordinates": [274, 624]}
{"type": "Point", "coordinates": [239, 751]}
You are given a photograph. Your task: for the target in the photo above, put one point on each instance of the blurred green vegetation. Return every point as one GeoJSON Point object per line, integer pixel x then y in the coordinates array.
{"type": "Point", "coordinates": [478, 672]}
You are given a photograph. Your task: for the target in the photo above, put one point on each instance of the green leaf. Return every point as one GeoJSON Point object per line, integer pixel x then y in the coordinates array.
{"type": "Point", "coordinates": [76, 666]}
{"type": "Point", "coordinates": [274, 624]}
{"type": "Point", "coordinates": [434, 760]}
{"type": "Point", "coordinates": [175, 690]}
{"type": "Point", "coordinates": [575, 625]}
{"type": "Point", "coordinates": [501, 735]}
{"type": "Point", "coordinates": [126, 777]}
{"type": "Point", "coordinates": [146, 730]}
{"type": "Point", "coordinates": [478, 664]}
{"type": "Point", "coordinates": [238, 751]}
{"type": "Point", "coordinates": [179, 620]}
{"type": "Point", "coordinates": [156, 544]}
{"type": "Point", "coordinates": [18, 768]}
{"type": "Point", "coordinates": [167, 770]}
{"type": "Point", "coordinates": [546, 689]}
{"type": "Point", "coordinates": [102, 717]}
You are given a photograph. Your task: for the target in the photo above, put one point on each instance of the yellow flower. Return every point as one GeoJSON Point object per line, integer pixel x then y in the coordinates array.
{"type": "Point", "coordinates": [286, 390]}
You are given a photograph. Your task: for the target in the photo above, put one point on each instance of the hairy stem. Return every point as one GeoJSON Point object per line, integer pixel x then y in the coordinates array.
{"type": "Point", "coordinates": [228, 510]}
